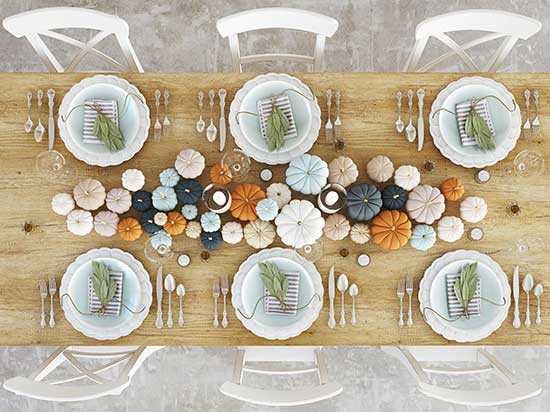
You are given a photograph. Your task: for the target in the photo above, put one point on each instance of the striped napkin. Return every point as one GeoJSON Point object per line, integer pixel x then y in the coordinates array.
{"type": "Point", "coordinates": [113, 307]}
{"type": "Point", "coordinates": [109, 108]}
{"type": "Point", "coordinates": [455, 308]}
{"type": "Point", "coordinates": [462, 110]}
{"type": "Point", "coordinates": [283, 103]}
{"type": "Point", "coordinates": [272, 305]}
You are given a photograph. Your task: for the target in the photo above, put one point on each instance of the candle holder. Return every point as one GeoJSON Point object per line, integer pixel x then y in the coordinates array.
{"type": "Point", "coordinates": [216, 198]}
{"type": "Point", "coordinates": [332, 198]}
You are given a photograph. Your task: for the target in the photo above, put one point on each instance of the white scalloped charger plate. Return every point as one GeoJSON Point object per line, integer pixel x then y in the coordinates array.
{"type": "Point", "coordinates": [494, 286]}
{"type": "Point", "coordinates": [444, 129]}
{"type": "Point", "coordinates": [247, 288]}
{"type": "Point", "coordinates": [136, 293]}
{"type": "Point", "coordinates": [134, 124]}
{"type": "Point", "coordinates": [307, 116]}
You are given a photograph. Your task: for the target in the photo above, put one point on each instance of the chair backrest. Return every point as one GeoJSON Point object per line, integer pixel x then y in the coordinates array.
{"type": "Point", "coordinates": [44, 22]}
{"type": "Point", "coordinates": [422, 363]}
{"type": "Point", "coordinates": [509, 27]}
{"type": "Point", "coordinates": [265, 357]}
{"type": "Point", "coordinates": [277, 18]}
{"type": "Point", "coordinates": [91, 382]}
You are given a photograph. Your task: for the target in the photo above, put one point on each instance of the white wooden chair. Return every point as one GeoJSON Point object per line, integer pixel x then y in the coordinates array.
{"type": "Point", "coordinates": [277, 18]}
{"type": "Point", "coordinates": [269, 397]}
{"type": "Point", "coordinates": [43, 22]}
{"type": "Point", "coordinates": [464, 360]}
{"type": "Point", "coordinates": [37, 386]}
{"type": "Point", "coordinates": [499, 24]}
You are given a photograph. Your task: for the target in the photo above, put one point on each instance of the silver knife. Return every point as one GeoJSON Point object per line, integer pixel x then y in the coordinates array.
{"type": "Point", "coordinates": [222, 93]}
{"type": "Point", "coordinates": [515, 290]}
{"type": "Point", "coordinates": [51, 122]}
{"type": "Point", "coordinates": [160, 285]}
{"type": "Point", "coordinates": [420, 93]}
{"type": "Point", "coordinates": [331, 293]}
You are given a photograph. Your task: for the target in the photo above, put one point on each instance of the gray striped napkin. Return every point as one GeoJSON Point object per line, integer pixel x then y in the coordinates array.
{"type": "Point", "coordinates": [283, 103]}
{"type": "Point", "coordinates": [109, 108]}
{"type": "Point", "coordinates": [462, 110]}
{"type": "Point", "coordinates": [113, 307]}
{"type": "Point", "coordinates": [455, 308]}
{"type": "Point", "coordinates": [272, 305]}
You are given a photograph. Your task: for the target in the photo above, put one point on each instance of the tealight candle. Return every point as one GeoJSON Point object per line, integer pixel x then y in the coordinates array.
{"type": "Point", "coordinates": [476, 233]}
{"type": "Point", "coordinates": [332, 198]}
{"type": "Point", "coordinates": [482, 176]}
{"type": "Point", "coordinates": [219, 198]}
{"type": "Point", "coordinates": [216, 198]}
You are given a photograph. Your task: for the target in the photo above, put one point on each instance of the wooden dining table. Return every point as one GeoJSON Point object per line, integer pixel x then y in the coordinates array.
{"type": "Point", "coordinates": [368, 114]}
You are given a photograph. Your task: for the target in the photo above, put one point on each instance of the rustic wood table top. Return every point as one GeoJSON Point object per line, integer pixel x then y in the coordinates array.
{"type": "Point", "coordinates": [368, 114]}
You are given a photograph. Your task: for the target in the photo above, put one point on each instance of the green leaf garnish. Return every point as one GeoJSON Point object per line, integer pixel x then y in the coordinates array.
{"type": "Point", "coordinates": [108, 132]}
{"type": "Point", "coordinates": [466, 285]}
{"type": "Point", "coordinates": [477, 128]}
{"type": "Point", "coordinates": [276, 128]}
{"type": "Point", "coordinates": [104, 285]}
{"type": "Point", "coordinates": [275, 281]}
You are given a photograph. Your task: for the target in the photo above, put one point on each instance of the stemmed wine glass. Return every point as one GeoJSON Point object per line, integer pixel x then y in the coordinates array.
{"type": "Point", "coordinates": [312, 252]}
{"type": "Point", "coordinates": [52, 166]}
{"type": "Point", "coordinates": [157, 251]}
{"type": "Point", "coordinates": [237, 162]}
{"type": "Point", "coordinates": [527, 163]}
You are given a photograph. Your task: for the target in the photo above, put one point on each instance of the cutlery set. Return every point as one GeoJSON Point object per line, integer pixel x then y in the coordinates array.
{"type": "Point", "coordinates": [333, 131]}
{"type": "Point", "coordinates": [405, 286]}
{"type": "Point", "coordinates": [159, 128]}
{"type": "Point", "coordinates": [169, 285]}
{"type": "Point", "coordinates": [224, 289]}
{"type": "Point", "coordinates": [531, 128]}
{"type": "Point", "coordinates": [44, 288]}
{"type": "Point", "coordinates": [527, 285]}
{"type": "Point", "coordinates": [212, 131]}
{"type": "Point", "coordinates": [411, 132]}
{"type": "Point", "coordinates": [341, 284]}
{"type": "Point", "coordinates": [40, 129]}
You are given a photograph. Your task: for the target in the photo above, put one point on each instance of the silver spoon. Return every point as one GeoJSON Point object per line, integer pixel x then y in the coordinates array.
{"type": "Point", "coordinates": [29, 123]}
{"type": "Point", "coordinates": [211, 130]}
{"type": "Point", "coordinates": [411, 131]}
{"type": "Point", "coordinates": [169, 285]}
{"type": "Point", "coordinates": [353, 292]}
{"type": "Point", "coordinates": [342, 285]}
{"type": "Point", "coordinates": [200, 123]}
{"type": "Point", "coordinates": [527, 285]}
{"type": "Point", "coordinates": [39, 131]}
{"type": "Point", "coordinates": [538, 294]}
{"type": "Point", "coordinates": [399, 125]}
{"type": "Point", "coordinates": [180, 291]}
{"type": "Point", "coordinates": [166, 121]}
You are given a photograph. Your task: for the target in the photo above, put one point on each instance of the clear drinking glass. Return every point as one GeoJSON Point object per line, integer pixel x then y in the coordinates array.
{"type": "Point", "coordinates": [237, 162]}
{"type": "Point", "coordinates": [312, 252]}
{"type": "Point", "coordinates": [52, 166]}
{"type": "Point", "coordinates": [529, 163]}
{"type": "Point", "coordinates": [158, 253]}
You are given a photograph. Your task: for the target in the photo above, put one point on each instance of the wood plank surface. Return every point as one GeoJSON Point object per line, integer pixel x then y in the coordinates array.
{"type": "Point", "coordinates": [368, 116]}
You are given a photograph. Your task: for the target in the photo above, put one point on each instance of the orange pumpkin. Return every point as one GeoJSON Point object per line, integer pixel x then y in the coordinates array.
{"type": "Point", "coordinates": [245, 197]}
{"type": "Point", "coordinates": [129, 229]}
{"type": "Point", "coordinates": [221, 175]}
{"type": "Point", "coordinates": [452, 189]}
{"type": "Point", "coordinates": [176, 223]}
{"type": "Point", "coordinates": [391, 229]}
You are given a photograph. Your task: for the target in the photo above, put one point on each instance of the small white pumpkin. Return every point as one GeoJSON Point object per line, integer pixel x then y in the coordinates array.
{"type": "Point", "coordinates": [342, 171]}
{"type": "Point", "coordinates": [473, 209]}
{"type": "Point", "coordinates": [407, 177]}
{"type": "Point", "coordinates": [133, 180]}
{"type": "Point", "coordinates": [232, 233]}
{"type": "Point", "coordinates": [299, 223]}
{"type": "Point", "coordinates": [119, 200]}
{"type": "Point", "coordinates": [380, 169]}
{"type": "Point", "coordinates": [450, 229]}
{"type": "Point", "coordinates": [190, 163]}
{"type": "Point", "coordinates": [259, 234]}
{"type": "Point", "coordinates": [193, 229]}
{"type": "Point", "coordinates": [80, 222]}
{"type": "Point", "coordinates": [337, 227]}
{"type": "Point", "coordinates": [62, 204]}
{"type": "Point", "coordinates": [160, 218]}
{"type": "Point", "coordinates": [279, 192]}
{"type": "Point", "coordinates": [425, 204]}
{"type": "Point", "coordinates": [89, 194]}
{"type": "Point", "coordinates": [106, 223]}
{"type": "Point", "coordinates": [360, 233]}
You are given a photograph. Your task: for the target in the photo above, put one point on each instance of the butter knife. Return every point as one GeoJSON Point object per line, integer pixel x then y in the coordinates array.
{"type": "Point", "coordinates": [420, 94]}
{"type": "Point", "coordinates": [51, 122]}
{"type": "Point", "coordinates": [331, 293]}
{"type": "Point", "coordinates": [222, 93]}
{"type": "Point", "coordinates": [160, 285]}
{"type": "Point", "coordinates": [515, 289]}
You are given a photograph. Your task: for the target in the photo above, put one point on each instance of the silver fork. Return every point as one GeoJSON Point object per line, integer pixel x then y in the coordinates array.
{"type": "Point", "coordinates": [536, 121]}
{"type": "Point", "coordinates": [166, 121]}
{"type": "Point", "coordinates": [43, 296]}
{"type": "Point", "coordinates": [409, 290]}
{"type": "Point", "coordinates": [527, 132]}
{"type": "Point", "coordinates": [328, 126]}
{"type": "Point", "coordinates": [401, 295]}
{"type": "Point", "coordinates": [225, 291]}
{"type": "Point", "coordinates": [52, 289]}
{"type": "Point", "coordinates": [216, 295]}
{"type": "Point", "coordinates": [158, 128]}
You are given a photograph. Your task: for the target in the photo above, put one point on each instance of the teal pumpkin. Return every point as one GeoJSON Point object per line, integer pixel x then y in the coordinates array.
{"type": "Point", "coordinates": [164, 198]}
{"type": "Point", "coordinates": [211, 222]}
{"type": "Point", "coordinates": [147, 220]}
{"type": "Point", "coordinates": [211, 240]}
{"type": "Point", "coordinates": [141, 200]}
{"type": "Point", "coordinates": [423, 237]}
{"type": "Point", "coordinates": [394, 197]}
{"type": "Point", "coordinates": [364, 202]}
{"type": "Point", "coordinates": [307, 174]}
{"type": "Point", "coordinates": [169, 177]}
{"type": "Point", "coordinates": [188, 191]}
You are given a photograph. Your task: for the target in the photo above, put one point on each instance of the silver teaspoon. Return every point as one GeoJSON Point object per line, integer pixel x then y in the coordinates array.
{"type": "Point", "coordinates": [211, 130]}
{"type": "Point", "coordinates": [399, 124]}
{"type": "Point", "coordinates": [29, 123]}
{"type": "Point", "coordinates": [39, 130]}
{"type": "Point", "coordinates": [353, 292]}
{"type": "Point", "coordinates": [180, 291]}
{"type": "Point", "coordinates": [200, 123]}
{"type": "Point", "coordinates": [527, 285]}
{"type": "Point", "coordinates": [538, 294]}
{"type": "Point", "coordinates": [411, 131]}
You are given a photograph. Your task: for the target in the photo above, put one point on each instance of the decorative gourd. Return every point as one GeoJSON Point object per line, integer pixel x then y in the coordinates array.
{"type": "Point", "coordinates": [423, 237]}
{"type": "Point", "coordinates": [210, 222]}
{"type": "Point", "coordinates": [190, 212]}
{"type": "Point", "coordinates": [142, 201]}
{"type": "Point", "coordinates": [394, 197]}
{"type": "Point", "coordinates": [133, 180]}
{"type": "Point", "coordinates": [147, 220]}
{"type": "Point", "coordinates": [407, 177]}
{"type": "Point", "coordinates": [62, 204]}
{"type": "Point", "coordinates": [232, 232]}
{"type": "Point", "coordinates": [164, 198]}
{"type": "Point", "coordinates": [259, 234]}
{"type": "Point", "coordinates": [106, 223]}
{"type": "Point", "coordinates": [426, 204]}
{"type": "Point", "coordinates": [380, 169]}
{"type": "Point", "coordinates": [188, 191]}
{"type": "Point", "coordinates": [473, 209]}
{"type": "Point", "coordinates": [280, 193]}
{"type": "Point", "coordinates": [299, 223]}
{"type": "Point", "coordinates": [169, 177]}
{"type": "Point", "coordinates": [364, 201]}
{"type": "Point", "coordinates": [193, 230]}
{"type": "Point", "coordinates": [119, 200]}
{"type": "Point", "coordinates": [391, 229]}
{"type": "Point", "coordinates": [337, 227]}
{"type": "Point", "coordinates": [342, 171]}
{"type": "Point", "coordinates": [176, 223]}
{"type": "Point", "coordinates": [80, 222]}
{"type": "Point", "coordinates": [452, 189]}
{"type": "Point", "coordinates": [360, 233]}
{"type": "Point", "coordinates": [129, 229]}
{"type": "Point", "coordinates": [161, 238]}
{"type": "Point", "coordinates": [267, 209]}
{"type": "Point", "coordinates": [211, 240]}
{"type": "Point", "coordinates": [89, 194]}
{"type": "Point", "coordinates": [307, 174]}
{"type": "Point", "coordinates": [450, 229]}
{"type": "Point", "coordinates": [245, 197]}
{"type": "Point", "coordinates": [190, 163]}
{"type": "Point", "coordinates": [160, 218]}
{"type": "Point", "coordinates": [220, 175]}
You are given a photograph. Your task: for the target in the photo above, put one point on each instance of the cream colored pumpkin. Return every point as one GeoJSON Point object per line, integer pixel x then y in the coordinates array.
{"type": "Point", "coordinates": [190, 163]}
{"type": "Point", "coordinates": [89, 194]}
{"type": "Point", "coordinates": [343, 171]}
{"type": "Point", "coordinates": [80, 222]}
{"type": "Point", "coordinates": [450, 229]}
{"type": "Point", "coordinates": [119, 200]}
{"type": "Point", "coordinates": [425, 204]}
{"type": "Point", "coordinates": [259, 234]}
{"type": "Point", "coordinates": [232, 233]}
{"type": "Point", "coordinates": [133, 180]}
{"type": "Point", "coordinates": [62, 204]}
{"type": "Point", "coordinates": [360, 233]}
{"type": "Point", "coordinates": [337, 227]}
{"type": "Point", "coordinates": [193, 230]}
{"type": "Point", "coordinates": [380, 169]}
{"type": "Point", "coordinates": [106, 223]}
{"type": "Point", "coordinates": [280, 193]}
{"type": "Point", "coordinates": [407, 177]}
{"type": "Point", "coordinates": [473, 209]}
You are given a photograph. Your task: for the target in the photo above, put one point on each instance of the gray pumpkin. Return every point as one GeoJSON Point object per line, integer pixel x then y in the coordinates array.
{"type": "Point", "coordinates": [364, 202]}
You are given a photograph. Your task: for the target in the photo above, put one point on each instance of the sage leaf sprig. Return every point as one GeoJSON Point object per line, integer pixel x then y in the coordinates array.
{"type": "Point", "coordinates": [466, 285]}
{"type": "Point", "coordinates": [275, 281]}
{"type": "Point", "coordinates": [478, 129]}
{"type": "Point", "coordinates": [276, 128]}
{"type": "Point", "coordinates": [108, 132]}
{"type": "Point", "coordinates": [104, 285]}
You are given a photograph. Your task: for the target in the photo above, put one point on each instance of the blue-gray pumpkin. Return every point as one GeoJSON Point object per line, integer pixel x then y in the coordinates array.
{"type": "Point", "coordinates": [188, 191]}
{"type": "Point", "coordinates": [147, 220]}
{"type": "Point", "coordinates": [364, 201]}
{"type": "Point", "coordinates": [394, 197]}
{"type": "Point", "coordinates": [142, 200]}
{"type": "Point", "coordinates": [211, 240]}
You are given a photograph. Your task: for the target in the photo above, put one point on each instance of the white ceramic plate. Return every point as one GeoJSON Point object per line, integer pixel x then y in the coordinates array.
{"type": "Point", "coordinates": [494, 286]}
{"type": "Point", "coordinates": [136, 293]}
{"type": "Point", "coordinates": [134, 123]}
{"type": "Point", "coordinates": [247, 288]}
{"type": "Point", "coordinates": [444, 128]}
{"type": "Point", "coordinates": [307, 116]}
